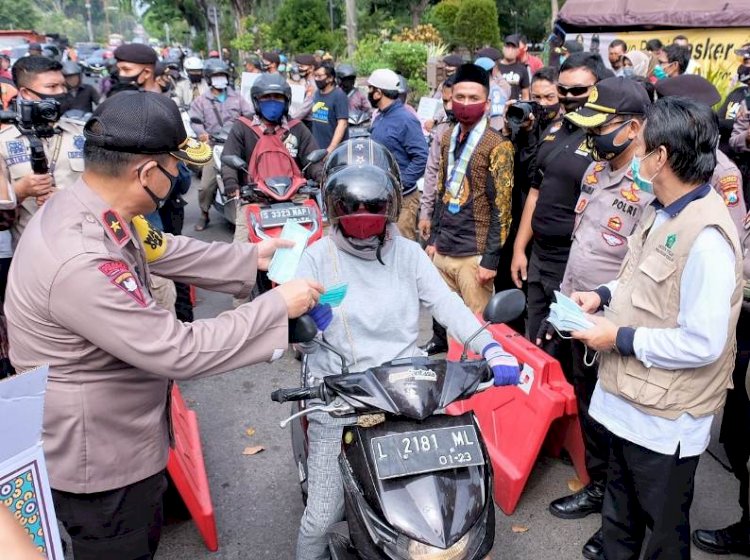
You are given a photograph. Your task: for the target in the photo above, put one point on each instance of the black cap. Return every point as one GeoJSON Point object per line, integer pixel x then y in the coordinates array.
{"type": "Point", "coordinates": [453, 60]}
{"type": "Point", "coordinates": [139, 122]}
{"type": "Point", "coordinates": [694, 87]}
{"type": "Point", "coordinates": [272, 58]}
{"type": "Point", "coordinates": [490, 52]}
{"type": "Point", "coordinates": [35, 47]}
{"type": "Point", "coordinates": [743, 51]}
{"type": "Point", "coordinates": [470, 72]}
{"type": "Point", "coordinates": [136, 53]}
{"type": "Point", "coordinates": [572, 47]}
{"type": "Point", "coordinates": [514, 40]}
{"type": "Point", "coordinates": [304, 59]}
{"type": "Point", "coordinates": [609, 98]}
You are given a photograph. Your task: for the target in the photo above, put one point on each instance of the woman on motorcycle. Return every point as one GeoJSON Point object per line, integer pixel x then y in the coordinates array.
{"type": "Point", "coordinates": [389, 279]}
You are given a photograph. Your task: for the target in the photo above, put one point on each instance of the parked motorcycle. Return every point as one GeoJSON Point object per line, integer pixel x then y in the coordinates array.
{"type": "Point", "coordinates": [417, 482]}
{"type": "Point", "coordinates": [224, 205]}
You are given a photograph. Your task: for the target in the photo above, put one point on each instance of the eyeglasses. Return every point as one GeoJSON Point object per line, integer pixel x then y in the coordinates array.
{"type": "Point", "coordinates": [575, 91]}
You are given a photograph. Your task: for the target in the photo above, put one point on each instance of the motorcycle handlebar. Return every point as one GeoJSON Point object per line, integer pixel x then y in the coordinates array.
{"type": "Point", "coordinates": [297, 394]}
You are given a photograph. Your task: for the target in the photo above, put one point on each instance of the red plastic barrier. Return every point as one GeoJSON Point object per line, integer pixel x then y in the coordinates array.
{"type": "Point", "coordinates": [516, 421]}
{"type": "Point", "coordinates": [185, 466]}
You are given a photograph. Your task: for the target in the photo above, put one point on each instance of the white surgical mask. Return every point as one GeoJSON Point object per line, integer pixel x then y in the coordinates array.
{"type": "Point", "coordinates": [219, 82]}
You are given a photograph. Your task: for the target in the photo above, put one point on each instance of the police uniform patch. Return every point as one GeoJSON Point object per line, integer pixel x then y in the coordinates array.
{"type": "Point", "coordinates": [15, 147]}
{"type": "Point", "coordinates": [630, 194]}
{"type": "Point", "coordinates": [612, 239]}
{"type": "Point", "coordinates": [153, 240]}
{"type": "Point", "coordinates": [583, 149]}
{"type": "Point", "coordinates": [599, 167]}
{"type": "Point", "coordinates": [581, 206]}
{"type": "Point", "coordinates": [729, 187]}
{"type": "Point", "coordinates": [79, 141]}
{"type": "Point", "coordinates": [614, 223]}
{"type": "Point", "coordinates": [592, 179]}
{"type": "Point", "coordinates": [119, 274]}
{"type": "Point", "coordinates": [116, 227]}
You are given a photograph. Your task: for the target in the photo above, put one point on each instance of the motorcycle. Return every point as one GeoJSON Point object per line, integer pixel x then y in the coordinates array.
{"type": "Point", "coordinates": [223, 204]}
{"type": "Point", "coordinates": [417, 482]}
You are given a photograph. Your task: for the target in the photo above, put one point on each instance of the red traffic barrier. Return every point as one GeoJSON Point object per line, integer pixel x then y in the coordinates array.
{"type": "Point", "coordinates": [188, 471]}
{"type": "Point", "coordinates": [517, 421]}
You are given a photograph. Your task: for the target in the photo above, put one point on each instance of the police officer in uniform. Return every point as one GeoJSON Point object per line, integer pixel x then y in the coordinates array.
{"type": "Point", "coordinates": [79, 300]}
{"type": "Point", "coordinates": [549, 213]}
{"type": "Point", "coordinates": [606, 213]}
{"type": "Point", "coordinates": [39, 78]}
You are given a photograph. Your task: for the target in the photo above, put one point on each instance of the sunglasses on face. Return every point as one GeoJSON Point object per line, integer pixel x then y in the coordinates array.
{"type": "Point", "coordinates": [575, 91]}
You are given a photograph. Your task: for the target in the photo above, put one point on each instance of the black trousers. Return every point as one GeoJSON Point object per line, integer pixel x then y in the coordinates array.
{"type": "Point", "coordinates": [735, 425]}
{"type": "Point", "coordinates": [650, 490]}
{"type": "Point", "coordinates": [545, 276]}
{"type": "Point", "coordinates": [596, 438]}
{"type": "Point", "coordinates": [121, 524]}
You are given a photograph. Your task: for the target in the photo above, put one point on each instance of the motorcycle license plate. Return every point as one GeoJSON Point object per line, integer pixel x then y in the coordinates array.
{"type": "Point", "coordinates": [274, 217]}
{"type": "Point", "coordinates": [424, 451]}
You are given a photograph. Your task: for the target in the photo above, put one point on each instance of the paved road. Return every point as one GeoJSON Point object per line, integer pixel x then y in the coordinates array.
{"type": "Point", "coordinates": [257, 501]}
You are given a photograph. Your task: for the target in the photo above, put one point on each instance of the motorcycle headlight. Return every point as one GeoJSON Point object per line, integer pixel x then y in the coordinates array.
{"type": "Point", "coordinates": [419, 551]}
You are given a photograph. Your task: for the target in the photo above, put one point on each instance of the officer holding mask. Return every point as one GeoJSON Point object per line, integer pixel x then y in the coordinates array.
{"type": "Point", "coordinates": [40, 83]}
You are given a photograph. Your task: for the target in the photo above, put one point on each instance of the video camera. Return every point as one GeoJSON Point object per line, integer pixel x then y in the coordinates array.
{"type": "Point", "coordinates": [517, 114]}
{"type": "Point", "coordinates": [34, 117]}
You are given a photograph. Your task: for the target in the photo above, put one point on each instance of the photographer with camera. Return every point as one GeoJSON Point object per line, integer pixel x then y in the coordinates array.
{"type": "Point", "coordinates": [42, 151]}
{"type": "Point", "coordinates": [525, 124]}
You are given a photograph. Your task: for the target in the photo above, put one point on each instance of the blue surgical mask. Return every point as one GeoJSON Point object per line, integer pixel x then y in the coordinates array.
{"type": "Point", "coordinates": [272, 110]}
{"type": "Point", "coordinates": [646, 185]}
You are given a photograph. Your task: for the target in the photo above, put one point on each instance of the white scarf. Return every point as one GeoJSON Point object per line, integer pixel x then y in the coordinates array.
{"type": "Point", "coordinates": [457, 172]}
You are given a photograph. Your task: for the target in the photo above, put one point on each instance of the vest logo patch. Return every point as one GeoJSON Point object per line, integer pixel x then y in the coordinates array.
{"type": "Point", "coordinates": [671, 240]}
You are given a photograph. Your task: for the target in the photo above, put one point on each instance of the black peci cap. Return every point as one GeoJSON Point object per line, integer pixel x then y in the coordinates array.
{"type": "Point", "coordinates": [490, 52]}
{"type": "Point", "coordinates": [138, 122]}
{"type": "Point", "coordinates": [694, 87]}
{"type": "Point", "coordinates": [453, 60]}
{"type": "Point", "coordinates": [304, 59]}
{"type": "Point", "coordinates": [609, 98]}
{"type": "Point", "coordinates": [136, 53]}
{"type": "Point", "coordinates": [470, 72]}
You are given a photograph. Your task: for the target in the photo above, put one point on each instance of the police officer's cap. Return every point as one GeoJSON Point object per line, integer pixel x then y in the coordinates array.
{"type": "Point", "coordinates": [305, 59]}
{"type": "Point", "coordinates": [136, 53]}
{"type": "Point", "coordinates": [609, 98]}
{"type": "Point", "coordinates": [453, 60]}
{"type": "Point", "coordinates": [490, 52]}
{"type": "Point", "coordinates": [694, 87]}
{"type": "Point", "coordinates": [137, 122]}
{"type": "Point", "coordinates": [472, 73]}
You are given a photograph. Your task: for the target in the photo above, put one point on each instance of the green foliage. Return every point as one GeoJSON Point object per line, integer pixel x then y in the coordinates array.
{"type": "Point", "coordinates": [304, 26]}
{"type": "Point", "coordinates": [73, 29]}
{"type": "Point", "coordinates": [530, 18]}
{"type": "Point", "coordinates": [256, 36]}
{"type": "Point", "coordinates": [369, 56]}
{"type": "Point", "coordinates": [443, 17]}
{"type": "Point", "coordinates": [476, 24]}
{"type": "Point", "coordinates": [19, 14]}
{"type": "Point", "coordinates": [407, 59]}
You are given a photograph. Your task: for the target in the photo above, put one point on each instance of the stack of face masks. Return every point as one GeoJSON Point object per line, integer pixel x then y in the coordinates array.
{"type": "Point", "coordinates": [334, 295]}
{"type": "Point", "coordinates": [285, 261]}
{"type": "Point", "coordinates": [566, 316]}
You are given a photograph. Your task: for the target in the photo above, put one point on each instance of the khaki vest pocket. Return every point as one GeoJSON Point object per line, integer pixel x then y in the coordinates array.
{"type": "Point", "coordinates": [645, 386]}
{"type": "Point", "coordinates": [656, 285]}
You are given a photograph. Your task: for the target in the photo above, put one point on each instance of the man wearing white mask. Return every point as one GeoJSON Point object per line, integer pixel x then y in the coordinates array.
{"type": "Point", "coordinates": [218, 107]}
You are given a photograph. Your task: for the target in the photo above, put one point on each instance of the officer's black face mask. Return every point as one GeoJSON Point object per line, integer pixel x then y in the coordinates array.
{"type": "Point", "coordinates": [604, 147]}
{"type": "Point", "coordinates": [571, 104]}
{"type": "Point", "coordinates": [160, 201]}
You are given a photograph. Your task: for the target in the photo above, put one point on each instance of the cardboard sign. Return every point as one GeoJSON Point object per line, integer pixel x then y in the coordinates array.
{"type": "Point", "coordinates": [427, 108]}
{"type": "Point", "coordinates": [24, 484]}
{"type": "Point", "coordinates": [247, 81]}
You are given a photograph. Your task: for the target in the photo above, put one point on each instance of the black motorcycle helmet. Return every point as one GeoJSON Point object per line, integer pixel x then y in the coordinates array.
{"type": "Point", "coordinates": [215, 68]}
{"type": "Point", "coordinates": [346, 71]}
{"type": "Point", "coordinates": [267, 84]}
{"type": "Point", "coordinates": [361, 200]}
{"type": "Point", "coordinates": [70, 68]}
{"type": "Point", "coordinates": [361, 151]}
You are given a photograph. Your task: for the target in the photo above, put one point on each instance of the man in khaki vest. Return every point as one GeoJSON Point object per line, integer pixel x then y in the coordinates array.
{"type": "Point", "coordinates": [666, 342]}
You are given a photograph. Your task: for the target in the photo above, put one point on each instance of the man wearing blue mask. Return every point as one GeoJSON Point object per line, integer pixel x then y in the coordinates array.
{"type": "Point", "coordinates": [608, 210]}
{"type": "Point", "coordinates": [218, 107]}
{"type": "Point", "coordinates": [666, 343]}
{"type": "Point", "coordinates": [271, 96]}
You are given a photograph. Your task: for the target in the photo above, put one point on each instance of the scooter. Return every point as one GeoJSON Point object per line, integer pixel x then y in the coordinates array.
{"type": "Point", "coordinates": [223, 204]}
{"type": "Point", "coordinates": [417, 482]}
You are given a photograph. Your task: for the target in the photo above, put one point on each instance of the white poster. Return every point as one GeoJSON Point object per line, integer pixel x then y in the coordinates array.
{"type": "Point", "coordinates": [248, 79]}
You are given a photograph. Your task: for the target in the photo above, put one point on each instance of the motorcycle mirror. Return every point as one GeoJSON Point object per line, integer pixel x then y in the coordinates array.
{"type": "Point", "coordinates": [302, 329]}
{"type": "Point", "coordinates": [505, 306]}
{"type": "Point", "coordinates": [196, 120]}
{"type": "Point", "coordinates": [316, 156]}
{"type": "Point", "coordinates": [235, 162]}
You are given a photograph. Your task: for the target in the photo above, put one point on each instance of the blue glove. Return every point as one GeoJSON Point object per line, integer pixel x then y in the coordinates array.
{"type": "Point", "coordinates": [322, 314]}
{"type": "Point", "coordinates": [504, 366]}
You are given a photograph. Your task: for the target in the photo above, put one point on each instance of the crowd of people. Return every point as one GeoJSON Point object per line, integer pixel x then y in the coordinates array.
{"type": "Point", "coordinates": [620, 187]}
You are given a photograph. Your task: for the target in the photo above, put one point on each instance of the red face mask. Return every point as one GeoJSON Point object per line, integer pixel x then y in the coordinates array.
{"type": "Point", "coordinates": [469, 114]}
{"type": "Point", "coordinates": [362, 226]}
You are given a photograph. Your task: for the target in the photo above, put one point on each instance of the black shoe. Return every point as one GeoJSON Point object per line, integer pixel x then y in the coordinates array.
{"type": "Point", "coordinates": [734, 539]}
{"type": "Point", "coordinates": [586, 501]}
{"type": "Point", "coordinates": [594, 547]}
{"type": "Point", "coordinates": [435, 346]}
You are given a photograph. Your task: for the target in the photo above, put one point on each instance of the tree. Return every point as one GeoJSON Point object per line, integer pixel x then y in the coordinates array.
{"type": "Point", "coordinates": [304, 26]}
{"type": "Point", "coordinates": [476, 24]}
{"type": "Point", "coordinates": [443, 17]}
{"type": "Point", "coordinates": [18, 14]}
{"type": "Point", "coordinates": [530, 18]}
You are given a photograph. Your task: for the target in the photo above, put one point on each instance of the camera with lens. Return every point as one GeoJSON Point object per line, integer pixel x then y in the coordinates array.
{"type": "Point", "coordinates": [34, 117]}
{"type": "Point", "coordinates": [518, 113]}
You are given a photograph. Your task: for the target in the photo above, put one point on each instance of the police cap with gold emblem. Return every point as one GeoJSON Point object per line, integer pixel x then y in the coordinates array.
{"type": "Point", "coordinates": [138, 122]}
{"type": "Point", "coordinates": [609, 98]}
